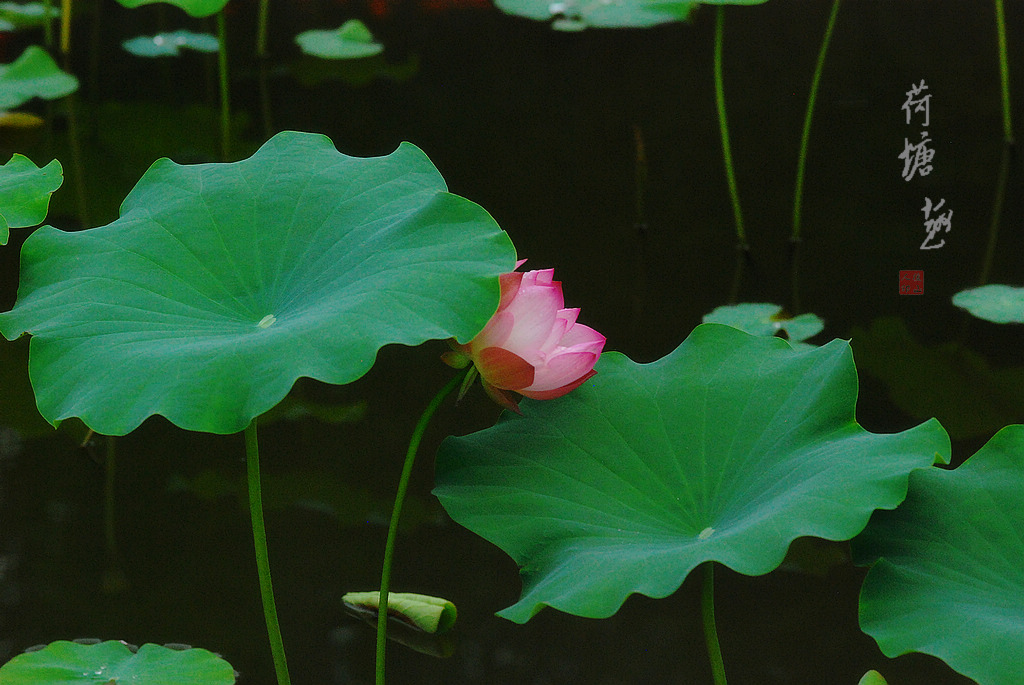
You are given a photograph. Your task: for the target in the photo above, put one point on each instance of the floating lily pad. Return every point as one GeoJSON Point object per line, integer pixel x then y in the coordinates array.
{"type": "Point", "coordinates": [872, 678]}
{"type": "Point", "coordinates": [33, 75]}
{"type": "Point", "coordinates": [16, 15]}
{"type": "Point", "coordinates": [194, 8]}
{"type": "Point", "coordinates": [71, 663]}
{"type": "Point", "coordinates": [995, 303]}
{"type": "Point", "coordinates": [726, 450]}
{"type": "Point", "coordinates": [170, 44]}
{"type": "Point", "coordinates": [25, 191]}
{"type": "Point", "coordinates": [575, 15]}
{"type": "Point", "coordinates": [948, 381]}
{"type": "Point", "coordinates": [767, 320]}
{"type": "Point", "coordinates": [948, 578]}
{"type": "Point", "coordinates": [221, 284]}
{"type": "Point", "coordinates": [351, 41]}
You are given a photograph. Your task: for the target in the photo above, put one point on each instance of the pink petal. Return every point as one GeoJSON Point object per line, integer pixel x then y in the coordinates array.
{"type": "Point", "coordinates": [510, 284]}
{"type": "Point", "coordinates": [569, 315]}
{"type": "Point", "coordinates": [562, 369]}
{"type": "Point", "coordinates": [503, 369]}
{"type": "Point", "coordinates": [554, 336]}
{"type": "Point", "coordinates": [494, 333]}
{"type": "Point", "coordinates": [557, 392]}
{"type": "Point", "coordinates": [541, 277]}
{"type": "Point", "coordinates": [535, 310]}
{"type": "Point", "coordinates": [583, 335]}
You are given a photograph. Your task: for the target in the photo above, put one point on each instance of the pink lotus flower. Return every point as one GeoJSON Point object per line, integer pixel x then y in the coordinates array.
{"type": "Point", "coordinates": [532, 345]}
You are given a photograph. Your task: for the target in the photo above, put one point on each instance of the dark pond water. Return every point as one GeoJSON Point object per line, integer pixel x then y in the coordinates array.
{"type": "Point", "coordinates": [540, 128]}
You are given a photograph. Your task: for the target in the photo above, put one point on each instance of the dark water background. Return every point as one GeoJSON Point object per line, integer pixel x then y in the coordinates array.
{"type": "Point", "coordinates": [540, 128]}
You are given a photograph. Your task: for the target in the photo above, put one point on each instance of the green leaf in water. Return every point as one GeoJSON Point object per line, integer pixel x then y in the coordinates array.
{"type": "Point", "coordinates": [994, 302]}
{"type": "Point", "coordinates": [872, 678]}
{"type": "Point", "coordinates": [25, 191]}
{"type": "Point", "coordinates": [15, 16]}
{"type": "Point", "coordinates": [726, 450]}
{"type": "Point", "coordinates": [33, 75]}
{"type": "Point", "coordinates": [576, 15]}
{"type": "Point", "coordinates": [221, 284]}
{"type": "Point", "coordinates": [351, 41]}
{"type": "Point", "coordinates": [170, 44]}
{"type": "Point", "coordinates": [71, 663]}
{"type": "Point", "coordinates": [947, 577]}
{"type": "Point", "coordinates": [767, 320]}
{"type": "Point", "coordinates": [194, 8]}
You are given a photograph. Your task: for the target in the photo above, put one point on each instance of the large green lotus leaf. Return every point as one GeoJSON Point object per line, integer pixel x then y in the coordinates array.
{"type": "Point", "coordinates": [726, 450]}
{"type": "Point", "coordinates": [949, 575]}
{"type": "Point", "coordinates": [221, 284]}
{"type": "Point", "coordinates": [170, 44]}
{"type": "Point", "coordinates": [948, 381]}
{"type": "Point", "coordinates": [33, 75]}
{"type": "Point", "coordinates": [995, 302]}
{"type": "Point", "coordinates": [351, 41]}
{"type": "Point", "coordinates": [71, 663]}
{"type": "Point", "coordinates": [25, 191]}
{"type": "Point", "coordinates": [195, 8]}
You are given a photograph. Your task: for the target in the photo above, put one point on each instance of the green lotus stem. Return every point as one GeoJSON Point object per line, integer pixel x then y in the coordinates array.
{"type": "Point", "coordinates": [798, 196]}
{"type": "Point", "coordinates": [997, 214]}
{"type": "Point", "coordinates": [225, 95]}
{"type": "Point", "coordinates": [47, 24]}
{"type": "Point", "coordinates": [259, 535]}
{"type": "Point", "coordinates": [396, 512]}
{"type": "Point", "coordinates": [65, 26]}
{"type": "Point", "coordinates": [261, 28]}
{"type": "Point", "coordinates": [1004, 72]}
{"type": "Point", "coordinates": [707, 609]}
{"type": "Point", "coordinates": [723, 126]}
{"type": "Point", "coordinates": [81, 196]}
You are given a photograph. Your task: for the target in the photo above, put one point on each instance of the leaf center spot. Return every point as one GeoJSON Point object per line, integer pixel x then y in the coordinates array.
{"type": "Point", "coordinates": [267, 321]}
{"type": "Point", "coordinates": [706, 533]}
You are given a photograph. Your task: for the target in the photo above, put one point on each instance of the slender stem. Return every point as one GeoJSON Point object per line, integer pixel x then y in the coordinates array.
{"type": "Point", "coordinates": [259, 535]}
{"type": "Point", "coordinates": [225, 95]}
{"type": "Point", "coordinates": [798, 196]}
{"type": "Point", "coordinates": [707, 607]}
{"type": "Point", "coordinates": [723, 126]}
{"type": "Point", "coordinates": [1004, 72]}
{"type": "Point", "coordinates": [77, 167]}
{"type": "Point", "coordinates": [47, 24]}
{"type": "Point", "coordinates": [997, 214]}
{"type": "Point", "coordinates": [65, 26]}
{"type": "Point", "coordinates": [389, 546]}
{"type": "Point", "coordinates": [261, 29]}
